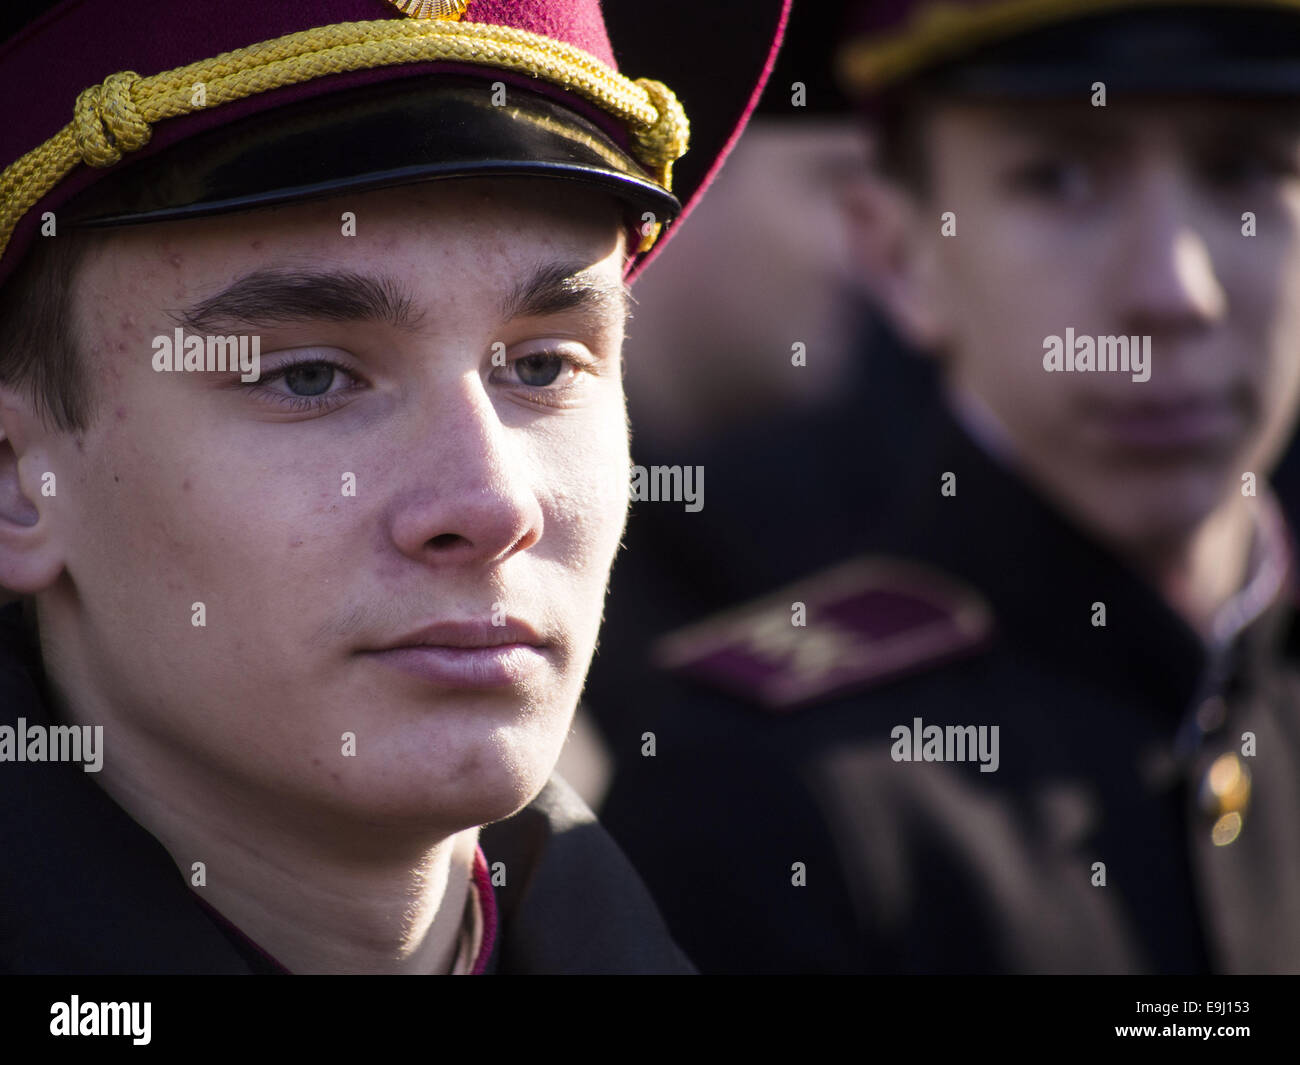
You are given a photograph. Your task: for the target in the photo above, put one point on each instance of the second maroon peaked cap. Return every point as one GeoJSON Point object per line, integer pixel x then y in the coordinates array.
{"type": "Point", "coordinates": [1038, 48]}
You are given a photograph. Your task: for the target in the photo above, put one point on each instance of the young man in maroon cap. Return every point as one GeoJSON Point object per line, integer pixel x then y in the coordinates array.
{"type": "Point", "coordinates": [314, 463]}
{"type": "Point", "coordinates": [1048, 719]}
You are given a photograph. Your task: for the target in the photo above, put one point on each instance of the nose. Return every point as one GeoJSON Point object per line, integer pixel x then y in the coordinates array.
{"type": "Point", "coordinates": [473, 497]}
{"type": "Point", "coordinates": [1166, 278]}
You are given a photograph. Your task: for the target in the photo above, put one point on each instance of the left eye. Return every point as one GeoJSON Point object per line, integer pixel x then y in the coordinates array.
{"type": "Point", "coordinates": [538, 371]}
{"type": "Point", "coordinates": [555, 378]}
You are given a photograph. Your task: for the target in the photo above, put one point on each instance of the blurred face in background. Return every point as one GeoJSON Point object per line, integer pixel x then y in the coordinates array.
{"type": "Point", "coordinates": [765, 263]}
{"type": "Point", "coordinates": [1115, 222]}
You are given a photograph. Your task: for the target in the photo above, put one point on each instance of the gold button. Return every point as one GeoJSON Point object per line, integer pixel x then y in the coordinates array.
{"type": "Point", "coordinates": [1225, 793]}
{"type": "Point", "coordinates": [1226, 829]}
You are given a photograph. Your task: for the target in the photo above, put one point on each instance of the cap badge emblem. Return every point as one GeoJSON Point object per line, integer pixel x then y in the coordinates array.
{"type": "Point", "coordinates": [431, 9]}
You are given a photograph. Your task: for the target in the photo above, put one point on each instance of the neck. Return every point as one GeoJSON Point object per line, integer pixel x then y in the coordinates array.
{"type": "Point", "coordinates": [385, 902]}
{"type": "Point", "coordinates": [1197, 574]}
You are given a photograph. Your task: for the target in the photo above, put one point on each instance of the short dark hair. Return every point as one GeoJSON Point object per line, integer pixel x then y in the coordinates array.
{"type": "Point", "coordinates": [40, 344]}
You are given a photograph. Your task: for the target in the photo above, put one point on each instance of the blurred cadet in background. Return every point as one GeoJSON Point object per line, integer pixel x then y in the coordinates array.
{"type": "Point", "coordinates": [1041, 714]}
{"type": "Point", "coordinates": [708, 361]}
{"type": "Point", "coordinates": [753, 353]}
{"type": "Point", "coordinates": [711, 357]}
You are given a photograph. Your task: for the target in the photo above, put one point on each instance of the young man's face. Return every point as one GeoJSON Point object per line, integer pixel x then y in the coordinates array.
{"type": "Point", "coordinates": [1125, 220]}
{"type": "Point", "coordinates": [458, 358]}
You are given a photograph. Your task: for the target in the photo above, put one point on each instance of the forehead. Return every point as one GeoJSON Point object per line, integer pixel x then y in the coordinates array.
{"type": "Point", "coordinates": [1122, 122]}
{"type": "Point", "coordinates": [492, 226]}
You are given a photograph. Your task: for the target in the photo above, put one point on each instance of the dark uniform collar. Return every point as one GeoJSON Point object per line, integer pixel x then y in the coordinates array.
{"type": "Point", "coordinates": [84, 888]}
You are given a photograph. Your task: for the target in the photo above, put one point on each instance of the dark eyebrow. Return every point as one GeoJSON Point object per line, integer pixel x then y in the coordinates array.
{"type": "Point", "coordinates": [1245, 130]}
{"type": "Point", "coordinates": [277, 296]}
{"type": "Point", "coordinates": [1247, 125]}
{"type": "Point", "coordinates": [558, 287]}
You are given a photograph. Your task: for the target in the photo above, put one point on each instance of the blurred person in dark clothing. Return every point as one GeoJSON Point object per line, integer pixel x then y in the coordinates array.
{"type": "Point", "coordinates": [754, 352]}
{"type": "Point", "coordinates": [1044, 716]}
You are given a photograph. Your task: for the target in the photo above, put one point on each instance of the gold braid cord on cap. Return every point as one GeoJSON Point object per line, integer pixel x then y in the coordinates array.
{"type": "Point", "coordinates": [117, 116]}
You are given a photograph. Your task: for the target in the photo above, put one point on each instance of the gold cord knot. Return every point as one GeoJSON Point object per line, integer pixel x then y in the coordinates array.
{"type": "Point", "coordinates": [107, 122]}
{"type": "Point", "coordinates": [667, 139]}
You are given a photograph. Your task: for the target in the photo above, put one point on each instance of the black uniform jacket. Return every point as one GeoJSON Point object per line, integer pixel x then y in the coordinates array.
{"type": "Point", "coordinates": [787, 836]}
{"type": "Point", "coordinates": [84, 889]}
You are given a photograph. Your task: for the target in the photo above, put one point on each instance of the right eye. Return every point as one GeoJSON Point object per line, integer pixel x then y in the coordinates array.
{"type": "Point", "coordinates": [307, 384]}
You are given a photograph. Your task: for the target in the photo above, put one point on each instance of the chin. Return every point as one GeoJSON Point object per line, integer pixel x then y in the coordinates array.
{"type": "Point", "coordinates": [475, 780]}
{"type": "Point", "coordinates": [490, 796]}
{"type": "Point", "coordinates": [490, 799]}
{"type": "Point", "coordinates": [1158, 515]}
{"type": "Point", "coordinates": [504, 784]}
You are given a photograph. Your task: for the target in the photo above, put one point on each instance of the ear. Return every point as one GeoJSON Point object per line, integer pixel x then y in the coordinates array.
{"type": "Point", "coordinates": [895, 247]}
{"type": "Point", "coordinates": [31, 558]}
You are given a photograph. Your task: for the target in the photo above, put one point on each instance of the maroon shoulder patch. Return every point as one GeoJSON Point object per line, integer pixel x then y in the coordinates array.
{"type": "Point", "coordinates": [858, 624]}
